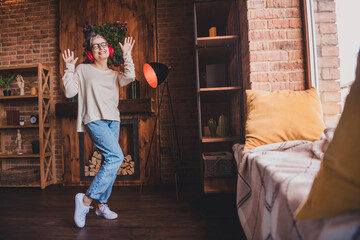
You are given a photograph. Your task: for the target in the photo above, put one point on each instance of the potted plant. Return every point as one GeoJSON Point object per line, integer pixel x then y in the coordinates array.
{"type": "Point", "coordinates": [6, 83]}
{"type": "Point", "coordinates": [35, 146]}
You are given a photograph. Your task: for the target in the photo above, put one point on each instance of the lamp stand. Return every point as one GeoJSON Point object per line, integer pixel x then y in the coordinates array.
{"type": "Point", "coordinates": [173, 130]}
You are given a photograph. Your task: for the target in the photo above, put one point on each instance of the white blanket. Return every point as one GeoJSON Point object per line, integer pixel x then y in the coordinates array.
{"type": "Point", "coordinates": [273, 180]}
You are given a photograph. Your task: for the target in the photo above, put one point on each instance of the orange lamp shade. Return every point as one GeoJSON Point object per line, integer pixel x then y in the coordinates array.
{"type": "Point", "coordinates": [155, 73]}
{"type": "Point", "coordinates": [150, 75]}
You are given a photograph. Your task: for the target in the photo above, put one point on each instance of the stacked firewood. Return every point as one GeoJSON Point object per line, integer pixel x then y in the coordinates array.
{"type": "Point", "coordinates": [93, 165]}
{"type": "Point", "coordinates": [127, 167]}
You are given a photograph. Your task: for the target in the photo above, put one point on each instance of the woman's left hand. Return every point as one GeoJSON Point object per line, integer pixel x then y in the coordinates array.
{"type": "Point", "coordinates": [128, 44]}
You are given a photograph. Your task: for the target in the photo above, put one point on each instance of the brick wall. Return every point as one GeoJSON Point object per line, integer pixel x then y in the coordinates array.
{"type": "Point", "coordinates": [29, 34]}
{"type": "Point", "coordinates": [175, 29]}
{"type": "Point", "coordinates": [275, 45]}
{"type": "Point", "coordinates": [328, 60]}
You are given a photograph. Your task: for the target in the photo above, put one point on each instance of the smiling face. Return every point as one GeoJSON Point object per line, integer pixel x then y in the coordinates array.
{"type": "Point", "coordinates": [100, 51]}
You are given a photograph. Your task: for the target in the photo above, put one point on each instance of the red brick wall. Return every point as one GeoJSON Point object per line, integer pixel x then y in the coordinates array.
{"type": "Point", "coordinates": [276, 49]}
{"type": "Point", "coordinates": [29, 34]}
{"type": "Point", "coordinates": [328, 60]}
{"type": "Point", "coordinates": [175, 29]}
{"type": "Point", "coordinates": [275, 45]}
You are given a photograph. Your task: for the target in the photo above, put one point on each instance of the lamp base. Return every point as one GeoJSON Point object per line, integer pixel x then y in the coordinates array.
{"type": "Point", "coordinates": [173, 131]}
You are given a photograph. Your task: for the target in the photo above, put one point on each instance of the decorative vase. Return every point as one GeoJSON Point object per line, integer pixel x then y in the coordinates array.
{"type": "Point", "coordinates": [33, 91]}
{"type": "Point", "coordinates": [73, 99]}
{"type": "Point", "coordinates": [223, 126]}
{"type": "Point", "coordinates": [212, 32]}
{"type": "Point", "coordinates": [212, 127]}
{"type": "Point", "coordinates": [7, 92]}
{"type": "Point", "coordinates": [135, 89]}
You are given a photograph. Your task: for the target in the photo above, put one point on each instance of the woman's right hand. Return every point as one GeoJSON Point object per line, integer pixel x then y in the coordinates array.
{"type": "Point", "coordinates": [69, 57]}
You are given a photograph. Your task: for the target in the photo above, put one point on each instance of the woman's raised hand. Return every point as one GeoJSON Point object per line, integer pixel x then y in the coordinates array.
{"type": "Point", "coordinates": [128, 44]}
{"type": "Point", "coordinates": [69, 57]}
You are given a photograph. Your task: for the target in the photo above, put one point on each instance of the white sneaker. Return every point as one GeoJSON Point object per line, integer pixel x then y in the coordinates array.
{"type": "Point", "coordinates": [80, 210]}
{"type": "Point", "coordinates": [105, 212]}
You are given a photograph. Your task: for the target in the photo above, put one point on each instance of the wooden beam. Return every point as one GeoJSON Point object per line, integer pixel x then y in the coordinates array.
{"type": "Point", "coordinates": [125, 106]}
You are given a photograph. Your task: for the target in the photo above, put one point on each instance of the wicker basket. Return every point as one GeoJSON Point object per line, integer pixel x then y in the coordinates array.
{"type": "Point", "coordinates": [218, 164]}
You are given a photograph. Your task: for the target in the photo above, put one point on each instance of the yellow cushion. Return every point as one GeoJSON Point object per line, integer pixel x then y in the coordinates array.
{"type": "Point", "coordinates": [282, 116]}
{"type": "Point", "coordinates": [336, 188]}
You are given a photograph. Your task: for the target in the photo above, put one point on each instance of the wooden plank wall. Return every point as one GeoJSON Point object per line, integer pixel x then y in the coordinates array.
{"type": "Point", "coordinates": [70, 152]}
{"type": "Point", "coordinates": [140, 16]}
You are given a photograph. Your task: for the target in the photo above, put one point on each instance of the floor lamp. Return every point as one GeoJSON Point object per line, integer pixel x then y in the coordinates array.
{"type": "Point", "coordinates": [155, 74]}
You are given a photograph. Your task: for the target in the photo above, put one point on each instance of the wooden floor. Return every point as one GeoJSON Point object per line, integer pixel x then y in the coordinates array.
{"type": "Point", "coordinates": [31, 213]}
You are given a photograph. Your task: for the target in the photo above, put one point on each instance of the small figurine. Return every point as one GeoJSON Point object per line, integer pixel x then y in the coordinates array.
{"type": "Point", "coordinates": [20, 82]}
{"type": "Point", "coordinates": [18, 142]}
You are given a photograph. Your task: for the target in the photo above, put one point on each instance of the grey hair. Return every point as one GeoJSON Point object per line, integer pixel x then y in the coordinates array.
{"type": "Point", "coordinates": [95, 36]}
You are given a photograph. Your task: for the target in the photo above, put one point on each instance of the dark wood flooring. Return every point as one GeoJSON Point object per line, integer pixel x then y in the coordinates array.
{"type": "Point", "coordinates": [31, 213]}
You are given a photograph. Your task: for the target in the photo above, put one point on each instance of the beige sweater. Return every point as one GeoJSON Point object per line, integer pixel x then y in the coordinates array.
{"type": "Point", "coordinates": [98, 90]}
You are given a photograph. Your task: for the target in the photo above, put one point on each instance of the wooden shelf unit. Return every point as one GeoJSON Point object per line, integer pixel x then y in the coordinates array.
{"type": "Point", "coordinates": [22, 68]}
{"type": "Point", "coordinates": [219, 93]}
{"type": "Point", "coordinates": [44, 102]}
{"type": "Point", "coordinates": [220, 89]}
{"type": "Point", "coordinates": [217, 41]}
{"type": "Point", "coordinates": [212, 101]}
{"type": "Point", "coordinates": [220, 139]}
{"type": "Point", "coordinates": [23, 98]}
{"type": "Point", "coordinates": [46, 125]}
{"type": "Point", "coordinates": [216, 185]}
{"type": "Point", "coordinates": [28, 155]}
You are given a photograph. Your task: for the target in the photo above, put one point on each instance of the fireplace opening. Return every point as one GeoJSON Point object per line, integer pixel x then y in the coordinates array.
{"type": "Point", "coordinates": [91, 158]}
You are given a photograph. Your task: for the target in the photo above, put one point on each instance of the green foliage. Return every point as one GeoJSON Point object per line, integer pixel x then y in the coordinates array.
{"type": "Point", "coordinates": [6, 83]}
{"type": "Point", "coordinates": [113, 33]}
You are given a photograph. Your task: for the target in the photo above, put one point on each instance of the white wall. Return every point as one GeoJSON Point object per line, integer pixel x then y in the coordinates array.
{"type": "Point", "coordinates": [348, 20]}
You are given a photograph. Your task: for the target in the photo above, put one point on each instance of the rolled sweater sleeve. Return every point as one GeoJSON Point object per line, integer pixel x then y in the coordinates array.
{"type": "Point", "coordinates": [129, 70]}
{"type": "Point", "coordinates": [71, 81]}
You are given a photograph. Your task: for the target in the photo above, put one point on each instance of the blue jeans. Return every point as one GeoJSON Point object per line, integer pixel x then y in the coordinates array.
{"type": "Point", "coordinates": [105, 136]}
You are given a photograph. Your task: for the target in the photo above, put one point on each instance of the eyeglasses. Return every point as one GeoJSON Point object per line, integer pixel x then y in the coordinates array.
{"type": "Point", "coordinates": [98, 45]}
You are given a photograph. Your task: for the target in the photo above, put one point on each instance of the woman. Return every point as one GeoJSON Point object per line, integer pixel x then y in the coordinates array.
{"type": "Point", "coordinates": [97, 87]}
